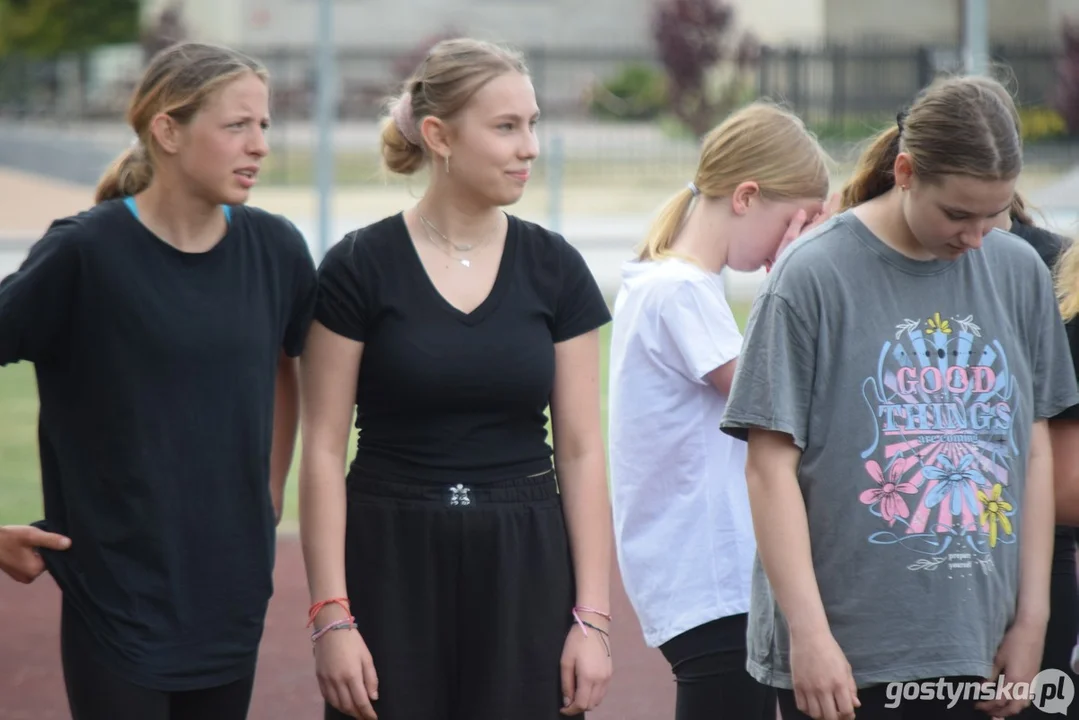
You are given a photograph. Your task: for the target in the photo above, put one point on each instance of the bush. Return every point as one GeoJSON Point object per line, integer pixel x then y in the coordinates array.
{"type": "Point", "coordinates": [636, 92]}
{"type": "Point", "coordinates": [1042, 123]}
{"type": "Point", "coordinates": [1067, 93]}
{"type": "Point", "coordinates": [706, 65]}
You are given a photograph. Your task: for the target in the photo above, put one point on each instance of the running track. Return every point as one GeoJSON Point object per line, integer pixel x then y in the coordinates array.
{"type": "Point", "coordinates": [31, 687]}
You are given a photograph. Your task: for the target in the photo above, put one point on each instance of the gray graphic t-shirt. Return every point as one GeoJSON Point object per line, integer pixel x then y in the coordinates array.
{"type": "Point", "coordinates": [911, 388]}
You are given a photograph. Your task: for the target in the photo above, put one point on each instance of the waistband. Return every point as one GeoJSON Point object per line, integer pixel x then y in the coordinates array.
{"type": "Point", "coordinates": [533, 488]}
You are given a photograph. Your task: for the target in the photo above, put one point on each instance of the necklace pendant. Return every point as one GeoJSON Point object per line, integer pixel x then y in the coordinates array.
{"type": "Point", "coordinates": [466, 263]}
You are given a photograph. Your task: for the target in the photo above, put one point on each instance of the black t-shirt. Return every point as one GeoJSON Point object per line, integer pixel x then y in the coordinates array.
{"type": "Point", "coordinates": [445, 396]}
{"type": "Point", "coordinates": [1050, 246]}
{"type": "Point", "coordinates": [156, 372]}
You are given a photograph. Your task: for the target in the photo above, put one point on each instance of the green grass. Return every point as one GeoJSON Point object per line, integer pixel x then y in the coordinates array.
{"type": "Point", "coordinates": [20, 475]}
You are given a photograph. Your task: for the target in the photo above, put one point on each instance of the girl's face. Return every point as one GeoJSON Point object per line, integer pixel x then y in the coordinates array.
{"type": "Point", "coordinates": [761, 230]}
{"type": "Point", "coordinates": [951, 214]}
{"type": "Point", "coordinates": [495, 141]}
{"type": "Point", "coordinates": [221, 150]}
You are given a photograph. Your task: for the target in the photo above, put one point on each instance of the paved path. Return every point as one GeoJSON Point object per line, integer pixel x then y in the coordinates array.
{"type": "Point", "coordinates": [31, 685]}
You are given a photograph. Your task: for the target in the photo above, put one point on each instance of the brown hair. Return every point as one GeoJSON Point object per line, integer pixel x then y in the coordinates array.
{"type": "Point", "coordinates": [451, 74]}
{"type": "Point", "coordinates": [760, 142]}
{"type": "Point", "coordinates": [178, 81]}
{"type": "Point", "coordinates": [956, 126]}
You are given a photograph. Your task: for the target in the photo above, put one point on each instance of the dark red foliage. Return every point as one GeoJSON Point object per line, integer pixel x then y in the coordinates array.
{"type": "Point", "coordinates": [692, 38]}
{"type": "Point", "coordinates": [1067, 90]}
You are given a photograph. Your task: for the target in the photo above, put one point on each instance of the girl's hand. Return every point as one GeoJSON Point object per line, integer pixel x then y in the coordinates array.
{"type": "Point", "coordinates": [586, 667]}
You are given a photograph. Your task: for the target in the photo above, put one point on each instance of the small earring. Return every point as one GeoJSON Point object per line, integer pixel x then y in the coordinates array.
{"type": "Point", "coordinates": [447, 164]}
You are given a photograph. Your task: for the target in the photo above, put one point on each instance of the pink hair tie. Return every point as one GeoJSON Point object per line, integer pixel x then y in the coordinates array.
{"type": "Point", "coordinates": [405, 122]}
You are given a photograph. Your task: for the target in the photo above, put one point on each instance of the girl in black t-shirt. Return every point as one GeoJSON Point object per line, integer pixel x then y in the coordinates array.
{"type": "Point", "coordinates": [1063, 625]}
{"type": "Point", "coordinates": [452, 575]}
{"type": "Point", "coordinates": [164, 325]}
{"type": "Point", "coordinates": [1063, 621]}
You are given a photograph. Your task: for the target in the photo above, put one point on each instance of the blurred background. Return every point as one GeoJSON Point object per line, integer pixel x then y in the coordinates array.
{"type": "Point", "coordinates": [626, 88]}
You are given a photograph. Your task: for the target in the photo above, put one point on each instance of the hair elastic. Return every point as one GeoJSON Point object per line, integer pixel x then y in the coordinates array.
{"type": "Point", "coordinates": [405, 122]}
{"type": "Point", "coordinates": [901, 119]}
{"type": "Point", "coordinates": [693, 188]}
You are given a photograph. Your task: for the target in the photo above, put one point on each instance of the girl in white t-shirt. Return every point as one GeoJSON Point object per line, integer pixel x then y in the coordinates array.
{"type": "Point", "coordinates": [683, 527]}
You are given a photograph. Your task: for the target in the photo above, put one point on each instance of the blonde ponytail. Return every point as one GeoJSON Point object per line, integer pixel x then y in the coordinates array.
{"type": "Point", "coordinates": [1067, 282]}
{"type": "Point", "coordinates": [664, 229]}
{"type": "Point", "coordinates": [129, 174]}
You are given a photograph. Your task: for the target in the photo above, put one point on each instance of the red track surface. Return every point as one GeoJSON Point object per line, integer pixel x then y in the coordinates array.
{"type": "Point", "coordinates": [31, 686]}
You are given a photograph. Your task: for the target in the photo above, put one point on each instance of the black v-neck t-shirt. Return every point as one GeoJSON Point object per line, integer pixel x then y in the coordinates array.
{"type": "Point", "coordinates": [156, 372]}
{"type": "Point", "coordinates": [449, 396]}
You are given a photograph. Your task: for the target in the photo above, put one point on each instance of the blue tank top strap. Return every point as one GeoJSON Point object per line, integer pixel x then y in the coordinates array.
{"type": "Point", "coordinates": [130, 202]}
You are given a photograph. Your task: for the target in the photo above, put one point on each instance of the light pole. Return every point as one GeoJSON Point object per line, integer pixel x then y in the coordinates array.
{"type": "Point", "coordinates": [326, 84]}
{"type": "Point", "coordinates": [975, 37]}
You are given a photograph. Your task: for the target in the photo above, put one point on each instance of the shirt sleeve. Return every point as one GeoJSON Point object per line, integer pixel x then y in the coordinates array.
{"type": "Point", "coordinates": [1072, 331]}
{"type": "Point", "coordinates": [773, 384]}
{"type": "Point", "coordinates": [579, 307]}
{"type": "Point", "coordinates": [342, 304]}
{"type": "Point", "coordinates": [701, 329]}
{"type": "Point", "coordinates": [36, 299]}
{"type": "Point", "coordinates": [304, 296]}
{"type": "Point", "coordinates": [1054, 364]}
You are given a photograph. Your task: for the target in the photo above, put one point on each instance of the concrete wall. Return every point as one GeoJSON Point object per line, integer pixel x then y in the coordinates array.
{"type": "Point", "coordinates": [618, 24]}
{"type": "Point", "coordinates": [936, 21]}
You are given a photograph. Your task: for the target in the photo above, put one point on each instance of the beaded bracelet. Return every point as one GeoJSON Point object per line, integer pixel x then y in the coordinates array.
{"type": "Point", "coordinates": [348, 623]}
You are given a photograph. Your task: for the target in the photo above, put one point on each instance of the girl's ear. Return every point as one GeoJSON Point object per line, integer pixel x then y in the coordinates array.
{"type": "Point", "coordinates": [744, 196]}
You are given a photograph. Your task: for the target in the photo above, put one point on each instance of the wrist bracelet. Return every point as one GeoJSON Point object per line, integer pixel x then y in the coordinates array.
{"type": "Point", "coordinates": [603, 635]}
{"type": "Point", "coordinates": [348, 623]}
{"type": "Point", "coordinates": [317, 607]}
{"type": "Point", "coordinates": [577, 609]}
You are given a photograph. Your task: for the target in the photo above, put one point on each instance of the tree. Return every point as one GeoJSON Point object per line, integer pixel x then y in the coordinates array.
{"type": "Point", "coordinates": [47, 28]}
{"type": "Point", "coordinates": [1067, 90]}
{"type": "Point", "coordinates": [704, 63]}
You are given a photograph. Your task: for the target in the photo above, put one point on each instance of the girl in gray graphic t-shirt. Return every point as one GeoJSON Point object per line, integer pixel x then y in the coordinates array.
{"type": "Point", "coordinates": [898, 370]}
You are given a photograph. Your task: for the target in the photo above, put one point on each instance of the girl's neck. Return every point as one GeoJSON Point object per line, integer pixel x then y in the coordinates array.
{"type": "Point", "coordinates": [461, 219]}
{"type": "Point", "coordinates": [703, 237]}
{"type": "Point", "coordinates": [884, 217]}
{"type": "Point", "coordinates": [186, 222]}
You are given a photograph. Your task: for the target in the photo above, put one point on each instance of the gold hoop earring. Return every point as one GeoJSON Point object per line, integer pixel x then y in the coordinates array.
{"type": "Point", "coordinates": [447, 164]}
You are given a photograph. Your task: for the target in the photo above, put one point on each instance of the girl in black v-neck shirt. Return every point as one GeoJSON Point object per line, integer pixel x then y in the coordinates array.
{"type": "Point", "coordinates": [452, 574]}
{"type": "Point", "coordinates": [163, 325]}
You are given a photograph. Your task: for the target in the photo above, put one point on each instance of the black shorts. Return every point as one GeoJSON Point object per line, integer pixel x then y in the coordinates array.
{"type": "Point", "coordinates": [463, 594]}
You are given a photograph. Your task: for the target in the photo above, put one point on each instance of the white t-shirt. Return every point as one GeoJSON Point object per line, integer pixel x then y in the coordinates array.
{"type": "Point", "coordinates": [683, 529]}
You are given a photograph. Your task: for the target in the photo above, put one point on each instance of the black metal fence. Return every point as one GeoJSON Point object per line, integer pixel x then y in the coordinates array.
{"type": "Point", "coordinates": [825, 85]}
{"type": "Point", "coordinates": [834, 85]}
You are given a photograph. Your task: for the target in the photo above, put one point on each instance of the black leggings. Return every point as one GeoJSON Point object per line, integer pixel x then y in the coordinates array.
{"type": "Point", "coordinates": [94, 693]}
{"type": "Point", "coordinates": [709, 664]}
